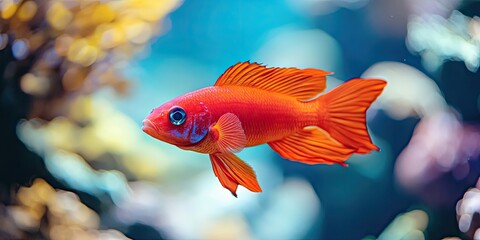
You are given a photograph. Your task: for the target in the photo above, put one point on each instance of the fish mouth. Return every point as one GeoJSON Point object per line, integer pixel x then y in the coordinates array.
{"type": "Point", "coordinates": [149, 127]}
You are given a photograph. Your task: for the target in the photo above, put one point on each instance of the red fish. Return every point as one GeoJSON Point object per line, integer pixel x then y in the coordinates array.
{"type": "Point", "coordinates": [251, 104]}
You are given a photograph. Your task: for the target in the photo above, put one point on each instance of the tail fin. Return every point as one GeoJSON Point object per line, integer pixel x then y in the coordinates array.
{"type": "Point", "coordinates": [343, 112]}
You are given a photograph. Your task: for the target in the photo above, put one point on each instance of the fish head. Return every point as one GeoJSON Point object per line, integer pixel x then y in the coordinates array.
{"type": "Point", "coordinates": [182, 122]}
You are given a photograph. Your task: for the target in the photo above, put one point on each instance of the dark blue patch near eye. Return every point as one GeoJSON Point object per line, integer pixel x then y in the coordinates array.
{"type": "Point", "coordinates": [177, 116]}
{"type": "Point", "coordinates": [197, 133]}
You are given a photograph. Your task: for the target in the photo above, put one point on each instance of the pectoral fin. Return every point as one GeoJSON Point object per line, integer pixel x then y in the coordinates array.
{"type": "Point", "coordinates": [231, 171]}
{"type": "Point", "coordinates": [228, 134]}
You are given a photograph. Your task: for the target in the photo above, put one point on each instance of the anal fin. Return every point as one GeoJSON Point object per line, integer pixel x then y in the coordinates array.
{"type": "Point", "coordinates": [312, 145]}
{"type": "Point", "coordinates": [231, 171]}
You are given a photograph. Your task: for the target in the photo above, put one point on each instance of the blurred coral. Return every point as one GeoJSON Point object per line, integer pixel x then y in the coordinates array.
{"type": "Point", "coordinates": [441, 147]}
{"type": "Point", "coordinates": [427, 7]}
{"type": "Point", "coordinates": [410, 225]}
{"type": "Point", "coordinates": [64, 48]}
{"type": "Point", "coordinates": [42, 212]}
{"type": "Point", "coordinates": [177, 212]}
{"type": "Point", "coordinates": [54, 55]}
{"type": "Point", "coordinates": [59, 51]}
{"type": "Point", "coordinates": [468, 212]}
{"type": "Point", "coordinates": [438, 39]}
{"type": "Point", "coordinates": [90, 134]}
{"type": "Point", "coordinates": [409, 92]}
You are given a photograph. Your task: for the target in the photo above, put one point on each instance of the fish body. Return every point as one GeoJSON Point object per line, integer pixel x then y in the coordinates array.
{"type": "Point", "coordinates": [264, 116]}
{"type": "Point", "coordinates": [251, 105]}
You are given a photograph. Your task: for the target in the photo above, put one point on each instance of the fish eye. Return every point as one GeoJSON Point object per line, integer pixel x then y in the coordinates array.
{"type": "Point", "coordinates": [177, 116]}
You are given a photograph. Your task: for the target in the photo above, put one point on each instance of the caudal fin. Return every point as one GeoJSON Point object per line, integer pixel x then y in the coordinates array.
{"type": "Point", "coordinates": [343, 112]}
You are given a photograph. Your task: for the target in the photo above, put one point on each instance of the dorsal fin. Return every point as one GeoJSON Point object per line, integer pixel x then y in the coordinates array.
{"type": "Point", "coordinates": [303, 84]}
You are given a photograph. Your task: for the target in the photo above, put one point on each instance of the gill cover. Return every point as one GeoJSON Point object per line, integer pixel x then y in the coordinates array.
{"type": "Point", "coordinates": [197, 122]}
